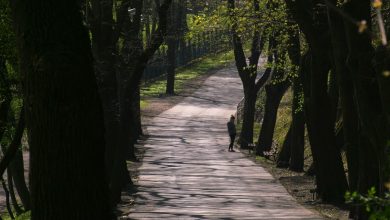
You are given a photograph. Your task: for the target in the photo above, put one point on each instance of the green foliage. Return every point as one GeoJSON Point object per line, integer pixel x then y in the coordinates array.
{"type": "Point", "coordinates": [10, 78]}
{"type": "Point", "coordinates": [270, 20]}
{"type": "Point", "coordinates": [377, 207]}
{"type": "Point", "coordinates": [7, 36]}
{"type": "Point", "coordinates": [24, 216]}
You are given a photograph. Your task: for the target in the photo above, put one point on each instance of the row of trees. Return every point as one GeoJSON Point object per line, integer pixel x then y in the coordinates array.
{"type": "Point", "coordinates": [71, 72]}
{"type": "Point", "coordinates": [81, 103]}
{"type": "Point", "coordinates": [335, 56]}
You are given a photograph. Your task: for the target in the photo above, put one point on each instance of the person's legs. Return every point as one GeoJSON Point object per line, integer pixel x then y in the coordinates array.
{"type": "Point", "coordinates": [232, 138]}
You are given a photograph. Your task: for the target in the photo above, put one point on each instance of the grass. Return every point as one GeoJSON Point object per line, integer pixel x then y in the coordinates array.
{"type": "Point", "coordinates": [197, 68]}
{"type": "Point", "coordinates": [24, 216]}
{"type": "Point", "coordinates": [284, 118]}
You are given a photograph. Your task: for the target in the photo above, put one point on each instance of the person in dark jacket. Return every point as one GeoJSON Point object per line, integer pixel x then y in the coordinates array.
{"type": "Point", "coordinates": [232, 132]}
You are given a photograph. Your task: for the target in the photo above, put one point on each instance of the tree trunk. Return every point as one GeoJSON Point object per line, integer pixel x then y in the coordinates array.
{"type": "Point", "coordinates": [246, 135]}
{"type": "Point", "coordinates": [17, 170]}
{"type": "Point", "coordinates": [331, 180]}
{"type": "Point", "coordinates": [136, 104]}
{"type": "Point", "coordinates": [63, 112]}
{"type": "Point", "coordinates": [297, 127]}
{"type": "Point", "coordinates": [172, 38]}
{"type": "Point", "coordinates": [104, 51]}
{"type": "Point", "coordinates": [274, 96]}
{"type": "Point", "coordinates": [6, 96]}
{"type": "Point", "coordinates": [171, 54]}
{"type": "Point", "coordinates": [370, 110]}
{"type": "Point", "coordinates": [350, 119]}
{"type": "Point", "coordinates": [285, 153]}
{"type": "Point", "coordinates": [12, 193]}
{"type": "Point", "coordinates": [298, 117]}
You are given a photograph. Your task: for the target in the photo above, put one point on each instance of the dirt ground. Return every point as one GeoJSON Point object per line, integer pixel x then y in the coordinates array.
{"type": "Point", "coordinates": [297, 184]}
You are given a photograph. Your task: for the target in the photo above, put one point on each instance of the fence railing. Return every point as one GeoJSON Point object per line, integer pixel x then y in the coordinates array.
{"type": "Point", "coordinates": [188, 51]}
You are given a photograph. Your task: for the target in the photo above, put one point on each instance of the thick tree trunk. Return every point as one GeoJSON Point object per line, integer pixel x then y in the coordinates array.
{"type": "Point", "coordinates": [246, 135]}
{"type": "Point", "coordinates": [284, 155]}
{"type": "Point", "coordinates": [297, 127]}
{"type": "Point", "coordinates": [274, 96]}
{"type": "Point", "coordinates": [331, 181]}
{"type": "Point", "coordinates": [63, 112]}
{"type": "Point", "coordinates": [350, 120]}
{"type": "Point", "coordinates": [104, 49]}
{"type": "Point", "coordinates": [298, 117]}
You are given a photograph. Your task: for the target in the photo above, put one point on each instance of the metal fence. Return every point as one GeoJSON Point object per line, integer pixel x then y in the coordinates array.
{"type": "Point", "coordinates": [188, 51]}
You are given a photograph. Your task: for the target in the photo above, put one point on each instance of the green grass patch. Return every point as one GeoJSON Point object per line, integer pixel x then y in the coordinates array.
{"type": "Point", "coordinates": [24, 216]}
{"type": "Point", "coordinates": [284, 118]}
{"type": "Point", "coordinates": [195, 69]}
{"type": "Point", "coordinates": [143, 104]}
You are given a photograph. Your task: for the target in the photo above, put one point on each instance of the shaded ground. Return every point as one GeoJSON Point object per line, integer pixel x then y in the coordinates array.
{"type": "Point", "coordinates": [187, 172]}
{"type": "Point", "coordinates": [299, 186]}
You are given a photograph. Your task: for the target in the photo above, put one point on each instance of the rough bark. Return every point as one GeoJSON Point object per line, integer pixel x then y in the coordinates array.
{"type": "Point", "coordinates": [63, 112]}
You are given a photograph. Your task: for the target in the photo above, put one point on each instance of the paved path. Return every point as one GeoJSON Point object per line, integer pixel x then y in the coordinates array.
{"type": "Point", "coordinates": [187, 172]}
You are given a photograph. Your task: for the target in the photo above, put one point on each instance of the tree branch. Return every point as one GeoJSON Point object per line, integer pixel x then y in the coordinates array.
{"type": "Point", "coordinates": [264, 78]}
{"type": "Point", "coordinates": [301, 12]}
{"type": "Point", "coordinates": [239, 54]}
{"type": "Point", "coordinates": [123, 10]}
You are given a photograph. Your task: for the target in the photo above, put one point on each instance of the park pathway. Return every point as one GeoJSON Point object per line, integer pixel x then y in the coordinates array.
{"type": "Point", "coordinates": [187, 172]}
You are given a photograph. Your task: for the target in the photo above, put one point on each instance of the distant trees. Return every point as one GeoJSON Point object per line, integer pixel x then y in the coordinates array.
{"type": "Point", "coordinates": [177, 27]}
{"type": "Point", "coordinates": [121, 57]}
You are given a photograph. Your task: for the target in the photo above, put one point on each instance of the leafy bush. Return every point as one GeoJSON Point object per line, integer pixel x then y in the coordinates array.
{"type": "Point", "coordinates": [377, 207]}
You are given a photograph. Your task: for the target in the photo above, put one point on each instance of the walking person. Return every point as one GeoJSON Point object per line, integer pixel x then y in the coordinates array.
{"type": "Point", "coordinates": [232, 132]}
